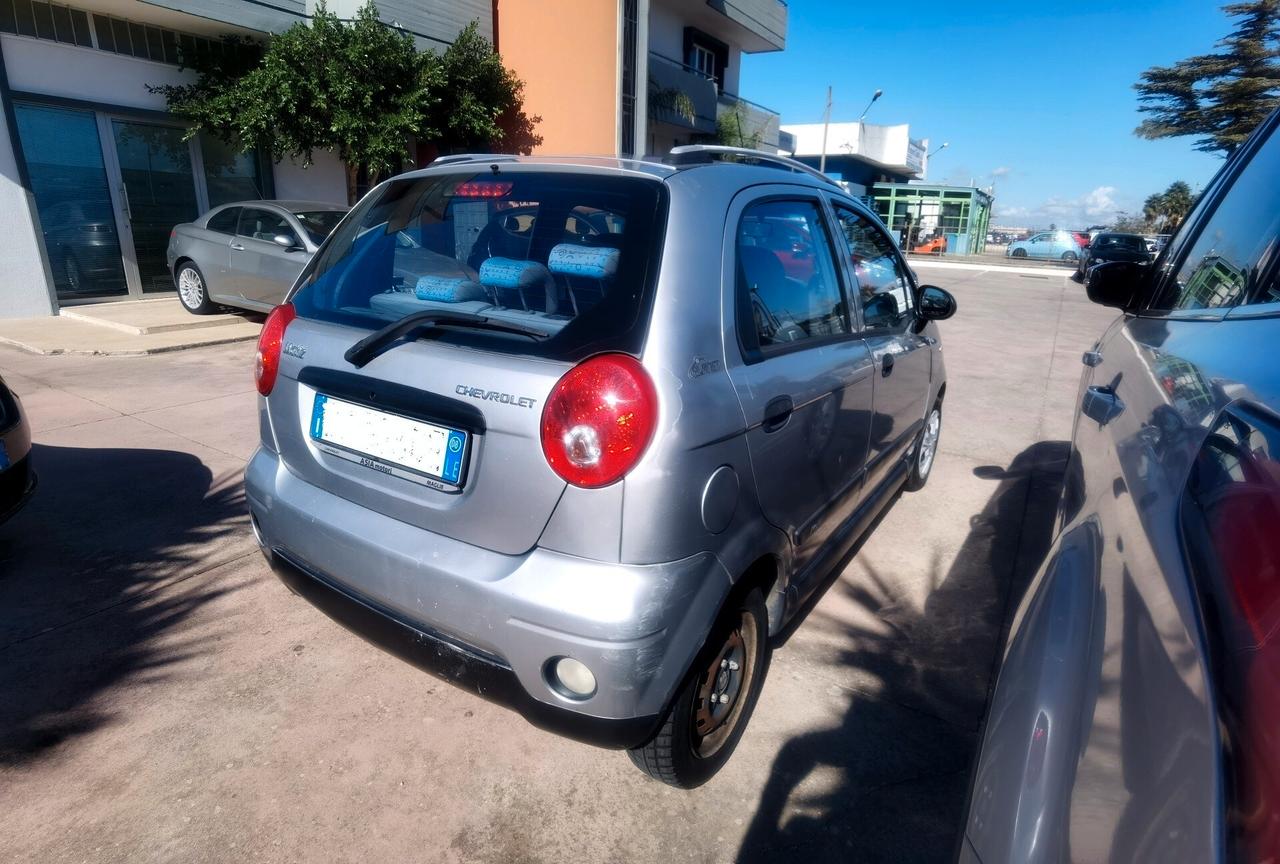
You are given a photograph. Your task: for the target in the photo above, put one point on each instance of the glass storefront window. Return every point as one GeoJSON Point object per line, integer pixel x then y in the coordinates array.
{"type": "Point", "coordinates": [69, 182]}
{"type": "Point", "coordinates": [231, 176]}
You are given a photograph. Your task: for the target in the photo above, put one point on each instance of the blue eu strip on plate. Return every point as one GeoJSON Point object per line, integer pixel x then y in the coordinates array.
{"type": "Point", "coordinates": [4, 457]}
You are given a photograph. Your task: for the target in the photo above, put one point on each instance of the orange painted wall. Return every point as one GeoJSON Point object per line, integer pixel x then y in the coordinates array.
{"type": "Point", "coordinates": [566, 52]}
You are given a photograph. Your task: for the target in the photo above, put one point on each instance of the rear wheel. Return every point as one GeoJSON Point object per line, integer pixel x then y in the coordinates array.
{"type": "Point", "coordinates": [711, 711]}
{"type": "Point", "coordinates": [926, 450]}
{"type": "Point", "coordinates": [192, 292]}
{"type": "Point", "coordinates": [1069, 256]}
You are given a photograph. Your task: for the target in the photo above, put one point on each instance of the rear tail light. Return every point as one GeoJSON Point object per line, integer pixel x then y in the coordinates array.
{"type": "Point", "coordinates": [267, 366]}
{"type": "Point", "coordinates": [598, 420]}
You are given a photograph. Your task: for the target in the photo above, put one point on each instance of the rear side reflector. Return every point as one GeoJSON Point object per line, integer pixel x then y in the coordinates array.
{"type": "Point", "coordinates": [270, 343]}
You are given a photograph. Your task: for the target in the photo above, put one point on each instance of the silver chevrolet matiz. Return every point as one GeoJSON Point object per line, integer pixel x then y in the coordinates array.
{"type": "Point", "coordinates": [581, 435]}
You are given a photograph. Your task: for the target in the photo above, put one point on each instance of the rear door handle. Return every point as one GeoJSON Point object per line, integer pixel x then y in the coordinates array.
{"type": "Point", "coordinates": [886, 365]}
{"type": "Point", "coordinates": [777, 413]}
{"type": "Point", "coordinates": [237, 247]}
{"type": "Point", "coordinates": [1102, 404]}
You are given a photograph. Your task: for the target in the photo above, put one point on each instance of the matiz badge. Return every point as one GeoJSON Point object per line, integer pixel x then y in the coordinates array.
{"type": "Point", "coordinates": [293, 349]}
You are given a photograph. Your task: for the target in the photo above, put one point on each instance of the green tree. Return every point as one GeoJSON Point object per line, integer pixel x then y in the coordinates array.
{"type": "Point", "coordinates": [1164, 211]}
{"type": "Point", "coordinates": [1129, 224]}
{"type": "Point", "coordinates": [1221, 97]}
{"type": "Point", "coordinates": [358, 88]}
{"type": "Point", "coordinates": [733, 129]}
{"type": "Point", "coordinates": [481, 101]}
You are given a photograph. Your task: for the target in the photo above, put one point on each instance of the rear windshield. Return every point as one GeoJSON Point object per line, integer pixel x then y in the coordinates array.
{"type": "Point", "coordinates": [1128, 242]}
{"type": "Point", "coordinates": [568, 258]}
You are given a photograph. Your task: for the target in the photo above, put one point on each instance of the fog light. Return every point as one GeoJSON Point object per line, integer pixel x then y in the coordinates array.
{"type": "Point", "coordinates": [573, 678]}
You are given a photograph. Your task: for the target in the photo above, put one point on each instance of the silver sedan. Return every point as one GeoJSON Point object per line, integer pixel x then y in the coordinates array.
{"type": "Point", "coordinates": [246, 254]}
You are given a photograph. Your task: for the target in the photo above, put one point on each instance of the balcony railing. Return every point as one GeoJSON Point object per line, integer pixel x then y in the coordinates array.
{"type": "Point", "coordinates": [755, 119]}
{"type": "Point", "coordinates": [666, 74]}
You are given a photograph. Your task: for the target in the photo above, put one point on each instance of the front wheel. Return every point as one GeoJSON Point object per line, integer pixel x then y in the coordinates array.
{"type": "Point", "coordinates": [1018, 253]}
{"type": "Point", "coordinates": [711, 710]}
{"type": "Point", "coordinates": [926, 450]}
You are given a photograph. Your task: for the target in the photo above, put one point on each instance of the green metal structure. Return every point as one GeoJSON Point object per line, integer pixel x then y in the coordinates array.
{"type": "Point", "coordinates": [956, 215]}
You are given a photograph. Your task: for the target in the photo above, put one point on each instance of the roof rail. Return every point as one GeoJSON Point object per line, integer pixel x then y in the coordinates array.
{"type": "Point", "coordinates": [473, 157]}
{"type": "Point", "coordinates": [702, 154]}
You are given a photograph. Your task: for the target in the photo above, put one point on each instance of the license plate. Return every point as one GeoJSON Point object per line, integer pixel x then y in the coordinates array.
{"type": "Point", "coordinates": [400, 446]}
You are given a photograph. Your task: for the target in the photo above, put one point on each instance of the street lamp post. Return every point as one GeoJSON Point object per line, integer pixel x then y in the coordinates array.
{"type": "Point", "coordinates": [862, 128]}
{"type": "Point", "coordinates": [943, 146]}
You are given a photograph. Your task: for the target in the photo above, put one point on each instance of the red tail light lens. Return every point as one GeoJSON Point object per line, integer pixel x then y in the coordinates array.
{"type": "Point", "coordinates": [598, 420]}
{"type": "Point", "coordinates": [267, 366]}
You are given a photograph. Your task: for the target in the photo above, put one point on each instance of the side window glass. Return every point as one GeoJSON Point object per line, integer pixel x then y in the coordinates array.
{"type": "Point", "coordinates": [263, 224]}
{"type": "Point", "coordinates": [884, 289]}
{"type": "Point", "coordinates": [1229, 259]}
{"type": "Point", "coordinates": [787, 284]}
{"type": "Point", "coordinates": [224, 222]}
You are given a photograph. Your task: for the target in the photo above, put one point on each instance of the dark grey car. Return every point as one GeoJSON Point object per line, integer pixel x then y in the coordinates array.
{"type": "Point", "coordinates": [581, 435]}
{"type": "Point", "coordinates": [1137, 714]}
{"type": "Point", "coordinates": [246, 254]}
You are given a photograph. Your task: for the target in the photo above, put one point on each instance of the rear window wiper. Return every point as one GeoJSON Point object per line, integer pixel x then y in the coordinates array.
{"type": "Point", "coordinates": [370, 346]}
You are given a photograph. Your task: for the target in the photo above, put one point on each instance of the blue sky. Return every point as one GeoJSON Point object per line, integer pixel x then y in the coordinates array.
{"type": "Point", "coordinates": [1040, 94]}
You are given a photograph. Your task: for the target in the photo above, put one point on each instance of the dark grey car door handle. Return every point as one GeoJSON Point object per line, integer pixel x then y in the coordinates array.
{"type": "Point", "coordinates": [237, 247]}
{"type": "Point", "coordinates": [886, 365]}
{"type": "Point", "coordinates": [1102, 404]}
{"type": "Point", "coordinates": [776, 413]}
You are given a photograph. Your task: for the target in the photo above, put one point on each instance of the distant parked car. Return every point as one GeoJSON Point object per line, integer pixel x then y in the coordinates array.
{"type": "Point", "coordinates": [1137, 712]}
{"type": "Point", "coordinates": [1060, 245]}
{"type": "Point", "coordinates": [247, 254]}
{"type": "Point", "coordinates": [84, 251]}
{"type": "Point", "coordinates": [17, 480]}
{"type": "Point", "coordinates": [1112, 247]}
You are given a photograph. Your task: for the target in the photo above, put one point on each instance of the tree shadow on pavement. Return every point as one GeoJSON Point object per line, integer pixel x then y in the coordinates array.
{"type": "Point", "coordinates": [94, 573]}
{"type": "Point", "coordinates": [888, 783]}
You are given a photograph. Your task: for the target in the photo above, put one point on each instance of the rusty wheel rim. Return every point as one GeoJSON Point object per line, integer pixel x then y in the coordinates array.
{"type": "Point", "coordinates": [722, 691]}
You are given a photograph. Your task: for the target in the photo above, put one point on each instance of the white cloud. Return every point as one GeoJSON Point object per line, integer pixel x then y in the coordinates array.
{"type": "Point", "coordinates": [1002, 171]}
{"type": "Point", "coordinates": [1096, 207]}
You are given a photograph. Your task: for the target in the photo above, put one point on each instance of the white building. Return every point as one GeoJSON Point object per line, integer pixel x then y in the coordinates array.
{"type": "Point", "coordinates": [863, 154]}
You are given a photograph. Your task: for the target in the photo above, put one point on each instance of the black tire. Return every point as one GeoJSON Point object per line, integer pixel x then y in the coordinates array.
{"type": "Point", "coordinates": [195, 297]}
{"type": "Point", "coordinates": [1071, 257]}
{"type": "Point", "coordinates": [1018, 253]}
{"type": "Point", "coordinates": [673, 755]}
{"type": "Point", "coordinates": [923, 456]}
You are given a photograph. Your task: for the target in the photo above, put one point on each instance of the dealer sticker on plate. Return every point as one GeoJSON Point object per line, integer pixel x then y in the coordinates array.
{"type": "Point", "coordinates": [412, 449]}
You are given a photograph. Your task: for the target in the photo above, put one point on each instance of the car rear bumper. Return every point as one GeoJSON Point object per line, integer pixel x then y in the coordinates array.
{"type": "Point", "coordinates": [494, 623]}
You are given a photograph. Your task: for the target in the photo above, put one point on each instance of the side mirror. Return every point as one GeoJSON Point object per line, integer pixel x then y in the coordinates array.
{"type": "Point", "coordinates": [1114, 283]}
{"type": "Point", "coordinates": [936, 304]}
{"type": "Point", "coordinates": [286, 242]}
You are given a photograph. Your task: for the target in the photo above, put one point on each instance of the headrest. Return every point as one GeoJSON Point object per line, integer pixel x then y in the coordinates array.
{"type": "Point", "coordinates": [592, 262]}
{"type": "Point", "coordinates": [512, 273]}
{"type": "Point", "coordinates": [448, 289]}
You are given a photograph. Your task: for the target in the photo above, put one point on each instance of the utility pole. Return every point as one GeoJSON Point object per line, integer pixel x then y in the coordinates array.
{"type": "Point", "coordinates": [826, 121]}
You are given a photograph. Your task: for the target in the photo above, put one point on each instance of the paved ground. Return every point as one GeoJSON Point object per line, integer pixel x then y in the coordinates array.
{"type": "Point", "coordinates": [165, 699]}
